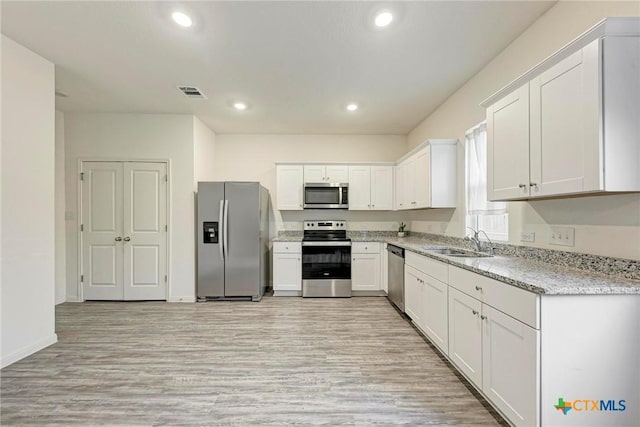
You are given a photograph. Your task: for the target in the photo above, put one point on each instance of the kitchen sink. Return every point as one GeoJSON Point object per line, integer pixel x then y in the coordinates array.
{"type": "Point", "coordinates": [460, 253]}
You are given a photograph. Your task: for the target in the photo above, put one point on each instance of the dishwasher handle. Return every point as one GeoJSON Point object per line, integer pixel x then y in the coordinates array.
{"type": "Point", "coordinates": [395, 250]}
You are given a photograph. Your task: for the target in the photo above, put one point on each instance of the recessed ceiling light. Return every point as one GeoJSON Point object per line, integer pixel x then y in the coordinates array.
{"type": "Point", "coordinates": [182, 19]}
{"type": "Point", "coordinates": [383, 19]}
{"type": "Point", "coordinates": [352, 107]}
{"type": "Point", "coordinates": [240, 106]}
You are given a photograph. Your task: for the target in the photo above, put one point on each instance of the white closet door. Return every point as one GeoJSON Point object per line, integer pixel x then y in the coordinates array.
{"type": "Point", "coordinates": [102, 235]}
{"type": "Point", "coordinates": [144, 239]}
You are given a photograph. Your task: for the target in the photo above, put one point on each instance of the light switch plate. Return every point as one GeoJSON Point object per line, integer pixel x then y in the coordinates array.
{"type": "Point", "coordinates": [528, 236]}
{"type": "Point", "coordinates": [562, 236]}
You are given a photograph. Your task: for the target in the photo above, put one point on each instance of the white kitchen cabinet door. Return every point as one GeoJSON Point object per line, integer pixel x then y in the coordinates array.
{"type": "Point", "coordinates": [384, 269]}
{"type": "Point", "coordinates": [381, 188]}
{"type": "Point", "coordinates": [508, 147]}
{"type": "Point", "coordinates": [314, 173]}
{"type": "Point", "coordinates": [409, 183]}
{"type": "Point", "coordinates": [359, 188]}
{"type": "Point", "coordinates": [510, 372]}
{"type": "Point", "coordinates": [337, 173]}
{"type": "Point", "coordinates": [326, 173]}
{"type": "Point", "coordinates": [422, 177]}
{"type": "Point", "coordinates": [413, 302]}
{"type": "Point", "coordinates": [436, 307]}
{"type": "Point", "coordinates": [365, 272]}
{"type": "Point", "coordinates": [289, 187]}
{"type": "Point", "coordinates": [399, 193]}
{"type": "Point", "coordinates": [565, 126]}
{"type": "Point", "coordinates": [465, 335]}
{"type": "Point", "coordinates": [287, 272]}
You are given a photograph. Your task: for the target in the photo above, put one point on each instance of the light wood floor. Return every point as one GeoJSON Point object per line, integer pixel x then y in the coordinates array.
{"type": "Point", "coordinates": [281, 361]}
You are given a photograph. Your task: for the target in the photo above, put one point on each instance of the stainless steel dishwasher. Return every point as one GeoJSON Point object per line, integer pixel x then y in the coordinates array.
{"type": "Point", "coordinates": [396, 276]}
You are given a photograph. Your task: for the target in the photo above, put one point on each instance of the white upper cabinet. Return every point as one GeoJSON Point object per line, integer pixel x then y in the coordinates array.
{"type": "Point", "coordinates": [508, 146]}
{"type": "Point", "coordinates": [289, 187]}
{"type": "Point", "coordinates": [326, 173]}
{"type": "Point", "coordinates": [370, 187]}
{"type": "Point", "coordinates": [427, 176]}
{"type": "Point", "coordinates": [570, 125]}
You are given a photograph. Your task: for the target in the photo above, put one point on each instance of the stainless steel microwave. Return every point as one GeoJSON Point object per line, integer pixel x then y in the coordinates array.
{"type": "Point", "coordinates": [325, 195]}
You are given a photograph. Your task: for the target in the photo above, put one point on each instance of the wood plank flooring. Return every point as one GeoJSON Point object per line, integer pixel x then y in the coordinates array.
{"type": "Point", "coordinates": [277, 362]}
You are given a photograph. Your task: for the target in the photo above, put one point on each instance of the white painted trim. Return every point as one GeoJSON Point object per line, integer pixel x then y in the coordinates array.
{"type": "Point", "coordinates": [427, 143]}
{"type": "Point", "coordinates": [167, 163]}
{"type": "Point", "coordinates": [338, 163]}
{"type": "Point", "coordinates": [28, 350]}
{"type": "Point", "coordinates": [188, 298]}
{"type": "Point", "coordinates": [287, 293]}
{"type": "Point", "coordinates": [615, 26]}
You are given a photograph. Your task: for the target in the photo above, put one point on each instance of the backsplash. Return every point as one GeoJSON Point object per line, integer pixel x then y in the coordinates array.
{"type": "Point", "coordinates": [626, 268]}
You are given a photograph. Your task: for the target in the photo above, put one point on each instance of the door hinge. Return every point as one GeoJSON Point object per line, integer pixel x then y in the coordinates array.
{"type": "Point", "coordinates": [82, 278]}
{"type": "Point", "coordinates": [81, 227]}
{"type": "Point", "coordinates": [166, 178]}
{"type": "Point", "coordinates": [166, 228]}
{"type": "Point", "coordinates": [165, 278]}
{"type": "Point", "coordinates": [81, 176]}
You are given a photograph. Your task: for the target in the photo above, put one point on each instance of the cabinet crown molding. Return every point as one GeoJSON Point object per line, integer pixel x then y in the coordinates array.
{"type": "Point", "coordinates": [608, 27]}
{"type": "Point", "coordinates": [426, 143]}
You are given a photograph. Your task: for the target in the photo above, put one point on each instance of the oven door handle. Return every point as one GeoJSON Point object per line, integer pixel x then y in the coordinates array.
{"type": "Point", "coordinates": [326, 243]}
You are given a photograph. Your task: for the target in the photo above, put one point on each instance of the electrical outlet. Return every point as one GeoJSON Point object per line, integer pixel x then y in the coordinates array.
{"type": "Point", "coordinates": [563, 236]}
{"type": "Point", "coordinates": [528, 237]}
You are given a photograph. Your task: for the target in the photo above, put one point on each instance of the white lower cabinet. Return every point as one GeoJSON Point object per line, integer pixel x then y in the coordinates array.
{"type": "Point", "coordinates": [366, 269]}
{"type": "Point", "coordinates": [413, 301]}
{"type": "Point", "coordinates": [464, 315]}
{"type": "Point", "coordinates": [497, 352]}
{"type": "Point", "coordinates": [465, 335]}
{"type": "Point", "coordinates": [510, 368]}
{"type": "Point", "coordinates": [287, 268]}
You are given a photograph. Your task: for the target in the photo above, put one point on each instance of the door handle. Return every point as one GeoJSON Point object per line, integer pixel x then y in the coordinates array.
{"type": "Point", "coordinates": [118, 239]}
{"type": "Point", "coordinates": [226, 228]}
{"type": "Point", "coordinates": [221, 219]}
{"type": "Point", "coordinates": [126, 239]}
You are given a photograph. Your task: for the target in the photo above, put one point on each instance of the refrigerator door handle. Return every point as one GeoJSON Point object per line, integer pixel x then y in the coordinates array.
{"type": "Point", "coordinates": [221, 219]}
{"type": "Point", "coordinates": [226, 228]}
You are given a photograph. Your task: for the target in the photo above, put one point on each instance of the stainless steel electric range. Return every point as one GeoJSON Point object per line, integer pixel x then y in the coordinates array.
{"type": "Point", "coordinates": [326, 259]}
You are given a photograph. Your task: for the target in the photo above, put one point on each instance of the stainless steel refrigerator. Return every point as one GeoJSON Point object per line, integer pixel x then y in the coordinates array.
{"type": "Point", "coordinates": [232, 229]}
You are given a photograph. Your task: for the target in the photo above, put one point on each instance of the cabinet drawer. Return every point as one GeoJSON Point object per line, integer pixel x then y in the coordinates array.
{"type": "Point", "coordinates": [365, 248]}
{"type": "Point", "coordinates": [515, 302]}
{"type": "Point", "coordinates": [287, 247]}
{"type": "Point", "coordinates": [433, 268]}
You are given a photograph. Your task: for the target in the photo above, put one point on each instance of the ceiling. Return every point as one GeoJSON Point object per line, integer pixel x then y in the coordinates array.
{"type": "Point", "coordinates": [297, 64]}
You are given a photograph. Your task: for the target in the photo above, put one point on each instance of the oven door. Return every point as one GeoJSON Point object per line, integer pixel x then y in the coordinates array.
{"type": "Point", "coordinates": [326, 269]}
{"type": "Point", "coordinates": [325, 196]}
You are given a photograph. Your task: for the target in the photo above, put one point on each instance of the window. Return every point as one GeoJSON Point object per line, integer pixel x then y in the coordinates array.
{"type": "Point", "coordinates": [482, 214]}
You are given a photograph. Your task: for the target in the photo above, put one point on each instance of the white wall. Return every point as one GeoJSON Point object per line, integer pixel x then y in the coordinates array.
{"type": "Point", "coordinates": [61, 267]}
{"type": "Point", "coordinates": [137, 136]}
{"type": "Point", "coordinates": [204, 146]}
{"type": "Point", "coordinates": [28, 240]}
{"type": "Point", "coordinates": [253, 157]}
{"type": "Point", "coordinates": [604, 225]}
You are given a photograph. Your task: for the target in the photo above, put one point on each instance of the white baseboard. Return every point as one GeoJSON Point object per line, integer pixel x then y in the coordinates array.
{"type": "Point", "coordinates": [28, 350]}
{"type": "Point", "coordinates": [287, 293]}
{"type": "Point", "coordinates": [368, 294]}
{"type": "Point", "coordinates": [74, 299]}
{"type": "Point", "coordinates": [182, 299]}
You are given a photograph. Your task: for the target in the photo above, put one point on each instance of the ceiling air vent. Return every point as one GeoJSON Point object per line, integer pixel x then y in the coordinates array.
{"type": "Point", "coordinates": [192, 92]}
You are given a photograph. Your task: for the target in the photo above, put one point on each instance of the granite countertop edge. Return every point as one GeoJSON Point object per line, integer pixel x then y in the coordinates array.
{"type": "Point", "coordinates": [533, 276]}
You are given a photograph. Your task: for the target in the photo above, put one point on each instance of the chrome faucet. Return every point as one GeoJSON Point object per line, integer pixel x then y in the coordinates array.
{"type": "Point", "coordinates": [475, 238]}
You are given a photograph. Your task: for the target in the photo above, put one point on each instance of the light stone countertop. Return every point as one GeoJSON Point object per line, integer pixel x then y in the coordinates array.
{"type": "Point", "coordinates": [534, 276]}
